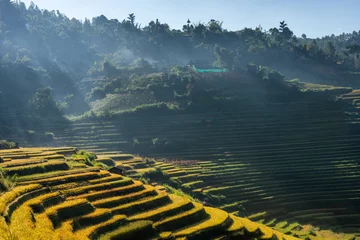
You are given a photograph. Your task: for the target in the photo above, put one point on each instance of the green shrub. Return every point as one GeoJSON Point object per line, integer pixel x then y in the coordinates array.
{"type": "Point", "coordinates": [8, 145]}
{"type": "Point", "coordinates": [89, 158]}
{"type": "Point", "coordinates": [7, 182]}
{"type": "Point", "coordinates": [49, 136]}
{"type": "Point", "coordinates": [96, 94]}
{"type": "Point", "coordinates": [43, 103]}
{"type": "Point", "coordinates": [155, 175]}
{"type": "Point", "coordinates": [152, 109]}
{"type": "Point", "coordinates": [178, 192]}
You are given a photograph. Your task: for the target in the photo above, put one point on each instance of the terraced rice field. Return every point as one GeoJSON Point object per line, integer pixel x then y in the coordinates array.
{"type": "Point", "coordinates": [92, 203]}
{"type": "Point", "coordinates": [294, 161]}
{"type": "Point", "coordinates": [284, 163]}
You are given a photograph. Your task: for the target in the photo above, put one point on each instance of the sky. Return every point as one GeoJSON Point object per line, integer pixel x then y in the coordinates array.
{"type": "Point", "coordinates": [315, 18]}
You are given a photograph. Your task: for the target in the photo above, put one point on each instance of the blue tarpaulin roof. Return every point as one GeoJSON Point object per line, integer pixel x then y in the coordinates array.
{"type": "Point", "coordinates": [204, 70]}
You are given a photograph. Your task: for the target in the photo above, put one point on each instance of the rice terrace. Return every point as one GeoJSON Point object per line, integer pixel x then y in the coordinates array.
{"type": "Point", "coordinates": [124, 129]}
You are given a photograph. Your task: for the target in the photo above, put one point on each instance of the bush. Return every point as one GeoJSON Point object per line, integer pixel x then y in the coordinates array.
{"type": "Point", "coordinates": [8, 145]}
{"type": "Point", "coordinates": [96, 94]}
{"type": "Point", "coordinates": [89, 158]}
{"type": "Point", "coordinates": [7, 182]}
{"type": "Point", "coordinates": [152, 109]}
{"type": "Point", "coordinates": [43, 103]}
{"type": "Point", "coordinates": [155, 175]}
{"type": "Point", "coordinates": [49, 136]}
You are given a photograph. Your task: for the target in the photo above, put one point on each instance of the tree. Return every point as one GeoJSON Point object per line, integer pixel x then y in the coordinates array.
{"type": "Point", "coordinates": [187, 28]}
{"type": "Point", "coordinates": [131, 18]}
{"type": "Point", "coordinates": [352, 49]}
{"type": "Point", "coordinates": [43, 103]}
{"type": "Point", "coordinates": [215, 26]}
{"type": "Point", "coordinates": [225, 58]}
{"type": "Point", "coordinates": [285, 33]}
{"type": "Point", "coordinates": [87, 26]}
{"type": "Point", "coordinates": [330, 49]}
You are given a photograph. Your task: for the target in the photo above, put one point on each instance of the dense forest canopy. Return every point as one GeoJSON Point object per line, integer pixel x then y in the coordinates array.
{"type": "Point", "coordinates": [45, 53]}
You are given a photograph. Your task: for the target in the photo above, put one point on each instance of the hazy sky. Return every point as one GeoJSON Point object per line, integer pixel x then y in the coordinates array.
{"type": "Point", "coordinates": [315, 18]}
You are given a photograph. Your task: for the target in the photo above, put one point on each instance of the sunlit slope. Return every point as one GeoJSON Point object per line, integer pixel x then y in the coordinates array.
{"type": "Point", "coordinates": [80, 202]}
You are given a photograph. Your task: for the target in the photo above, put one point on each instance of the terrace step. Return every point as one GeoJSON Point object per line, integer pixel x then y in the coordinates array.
{"type": "Point", "coordinates": [215, 224]}
{"type": "Point", "coordinates": [94, 231]}
{"type": "Point", "coordinates": [96, 217]}
{"type": "Point", "coordinates": [126, 187]}
{"type": "Point", "coordinates": [179, 221]}
{"type": "Point", "coordinates": [103, 186]}
{"type": "Point", "coordinates": [40, 203]}
{"type": "Point", "coordinates": [12, 206]}
{"type": "Point", "coordinates": [133, 230]}
{"type": "Point", "coordinates": [134, 194]}
{"type": "Point", "coordinates": [178, 205]}
{"type": "Point", "coordinates": [142, 205]}
{"type": "Point", "coordinates": [68, 209]}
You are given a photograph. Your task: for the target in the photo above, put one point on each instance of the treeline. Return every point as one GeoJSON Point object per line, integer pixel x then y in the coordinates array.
{"type": "Point", "coordinates": [43, 38]}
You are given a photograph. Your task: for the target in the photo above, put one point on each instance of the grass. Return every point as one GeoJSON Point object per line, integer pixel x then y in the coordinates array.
{"type": "Point", "coordinates": [68, 209]}
{"type": "Point", "coordinates": [236, 226]}
{"type": "Point", "coordinates": [22, 224]}
{"type": "Point", "coordinates": [133, 230]}
{"type": "Point", "coordinates": [106, 161]}
{"type": "Point", "coordinates": [178, 205]}
{"type": "Point", "coordinates": [69, 178]}
{"type": "Point", "coordinates": [25, 225]}
{"type": "Point", "coordinates": [267, 233]}
{"type": "Point", "coordinates": [38, 203]}
{"type": "Point", "coordinates": [215, 221]}
{"type": "Point", "coordinates": [19, 163]}
{"type": "Point", "coordinates": [7, 182]}
{"type": "Point", "coordinates": [37, 168]}
{"type": "Point", "coordinates": [76, 164]}
{"type": "Point", "coordinates": [94, 231]}
{"type": "Point", "coordinates": [141, 205]}
{"type": "Point", "coordinates": [198, 183]}
{"type": "Point", "coordinates": [119, 157]}
{"type": "Point", "coordinates": [55, 174]}
{"type": "Point", "coordinates": [250, 226]}
{"type": "Point", "coordinates": [195, 214]}
{"type": "Point", "coordinates": [112, 177]}
{"type": "Point", "coordinates": [126, 198]}
{"type": "Point", "coordinates": [105, 194]}
{"type": "Point", "coordinates": [5, 233]}
{"type": "Point", "coordinates": [96, 217]}
{"type": "Point", "coordinates": [97, 187]}
{"type": "Point", "coordinates": [305, 86]}
{"type": "Point", "coordinates": [178, 192]}
{"type": "Point", "coordinates": [8, 197]}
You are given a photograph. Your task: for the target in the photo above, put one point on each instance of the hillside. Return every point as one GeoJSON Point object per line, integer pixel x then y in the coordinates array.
{"type": "Point", "coordinates": [45, 48]}
{"type": "Point", "coordinates": [58, 197]}
{"type": "Point", "coordinates": [193, 133]}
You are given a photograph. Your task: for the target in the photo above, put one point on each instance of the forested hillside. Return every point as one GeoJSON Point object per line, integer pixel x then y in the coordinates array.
{"type": "Point", "coordinates": [53, 65]}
